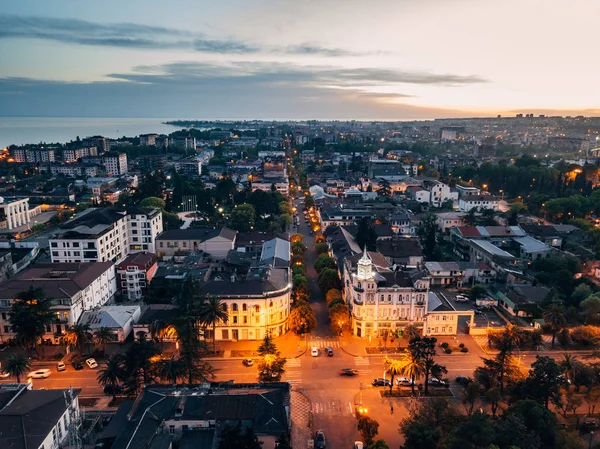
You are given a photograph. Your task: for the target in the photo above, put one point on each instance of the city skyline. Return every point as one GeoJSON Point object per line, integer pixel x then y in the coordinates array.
{"type": "Point", "coordinates": [283, 60]}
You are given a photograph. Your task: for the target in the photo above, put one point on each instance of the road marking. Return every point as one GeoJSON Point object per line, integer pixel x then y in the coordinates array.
{"type": "Point", "coordinates": [350, 408]}
{"type": "Point", "coordinates": [362, 361]}
{"type": "Point", "coordinates": [294, 363]}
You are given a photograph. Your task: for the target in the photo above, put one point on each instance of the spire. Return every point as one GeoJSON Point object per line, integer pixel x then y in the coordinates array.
{"type": "Point", "coordinates": [365, 255]}
{"type": "Point", "coordinates": [365, 265]}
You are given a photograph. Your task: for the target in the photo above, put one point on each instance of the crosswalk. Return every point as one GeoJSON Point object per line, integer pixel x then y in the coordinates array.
{"type": "Point", "coordinates": [293, 374]}
{"type": "Point", "coordinates": [324, 344]}
{"type": "Point", "coordinates": [333, 407]}
{"type": "Point", "coordinates": [293, 363]}
{"type": "Point", "coordinates": [362, 361]}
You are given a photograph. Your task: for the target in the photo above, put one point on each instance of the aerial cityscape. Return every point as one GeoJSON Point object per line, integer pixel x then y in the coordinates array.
{"type": "Point", "coordinates": [361, 225]}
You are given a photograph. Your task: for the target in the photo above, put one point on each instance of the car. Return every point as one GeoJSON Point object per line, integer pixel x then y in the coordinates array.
{"type": "Point", "coordinates": [329, 352]}
{"type": "Point", "coordinates": [348, 372]}
{"type": "Point", "coordinates": [40, 374]}
{"type": "Point", "coordinates": [4, 375]}
{"type": "Point", "coordinates": [358, 445]}
{"type": "Point", "coordinates": [404, 381]}
{"type": "Point", "coordinates": [435, 382]}
{"type": "Point", "coordinates": [589, 421]}
{"type": "Point", "coordinates": [77, 365]}
{"type": "Point", "coordinates": [248, 362]}
{"type": "Point", "coordinates": [320, 440]}
{"type": "Point", "coordinates": [461, 298]}
{"type": "Point", "coordinates": [314, 351]}
{"type": "Point", "coordinates": [463, 380]}
{"type": "Point", "coordinates": [113, 389]}
{"type": "Point", "coordinates": [91, 363]}
{"type": "Point", "coordinates": [379, 382]}
{"type": "Point", "coordinates": [60, 366]}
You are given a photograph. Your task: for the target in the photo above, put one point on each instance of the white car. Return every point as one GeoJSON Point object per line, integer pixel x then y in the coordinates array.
{"type": "Point", "coordinates": [404, 381]}
{"type": "Point", "coordinates": [40, 374]}
{"type": "Point", "coordinates": [358, 445]}
{"type": "Point", "coordinates": [314, 351]}
{"type": "Point", "coordinates": [91, 363]}
{"type": "Point", "coordinates": [461, 298]}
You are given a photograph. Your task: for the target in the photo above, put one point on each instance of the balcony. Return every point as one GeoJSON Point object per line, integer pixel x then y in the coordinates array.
{"type": "Point", "coordinates": [357, 302]}
{"type": "Point", "coordinates": [359, 290]}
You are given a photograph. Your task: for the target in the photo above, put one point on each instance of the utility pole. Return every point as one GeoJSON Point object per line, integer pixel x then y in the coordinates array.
{"type": "Point", "coordinates": [74, 421]}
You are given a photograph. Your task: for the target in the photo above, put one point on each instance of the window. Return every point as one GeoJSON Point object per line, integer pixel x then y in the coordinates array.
{"type": "Point", "coordinates": [389, 298]}
{"type": "Point", "coordinates": [225, 334]}
{"type": "Point", "coordinates": [54, 245]}
{"type": "Point", "coordinates": [256, 309]}
{"type": "Point", "coordinates": [6, 329]}
{"type": "Point", "coordinates": [234, 307]}
{"type": "Point", "coordinates": [172, 429]}
{"type": "Point", "coordinates": [245, 320]}
{"type": "Point", "coordinates": [55, 253]}
{"type": "Point", "coordinates": [75, 244]}
{"type": "Point", "coordinates": [244, 308]}
{"type": "Point", "coordinates": [235, 320]}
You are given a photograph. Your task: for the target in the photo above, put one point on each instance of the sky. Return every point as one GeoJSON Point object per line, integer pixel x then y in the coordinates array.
{"type": "Point", "coordinates": [299, 59]}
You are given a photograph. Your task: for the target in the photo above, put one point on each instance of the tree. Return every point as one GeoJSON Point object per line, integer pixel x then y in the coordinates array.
{"type": "Point", "coordinates": [569, 365]}
{"type": "Point", "coordinates": [78, 335]}
{"type": "Point", "coordinates": [555, 317]}
{"type": "Point", "coordinates": [394, 367]}
{"type": "Point", "coordinates": [322, 248]}
{"type": "Point", "coordinates": [324, 262]}
{"type": "Point", "coordinates": [302, 319]}
{"type": "Point", "coordinates": [368, 428]}
{"type": "Point", "coordinates": [267, 346]}
{"type": "Point", "coordinates": [335, 302]}
{"type": "Point", "coordinates": [112, 373]}
{"type": "Point", "coordinates": [212, 311]}
{"type": "Point", "coordinates": [231, 437]}
{"type": "Point", "coordinates": [16, 366]}
{"type": "Point", "coordinates": [366, 235]}
{"type": "Point", "coordinates": [338, 315]}
{"type": "Point", "coordinates": [384, 188]}
{"type": "Point", "coordinates": [271, 367]}
{"type": "Point", "coordinates": [411, 368]}
{"type": "Point", "coordinates": [332, 294]}
{"type": "Point", "coordinates": [423, 350]}
{"type": "Point", "coordinates": [242, 217]}
{"type": "Point", "coordinates": [328, 279]}
{"type": "Point", "coordinates": [171, 369]}
{"type": "Point", "coordinates": [543, 382]}
{"type": "Point", "coordinates": [411, 331]}
{"type": "Point", "coordinates": [102, 336]}
{"type": "Point", "coordinates": [30, 314]}
{"type": "Point", "coordinates": [309, 201]}
{"type": "Point", "coordinates": [581, 292]}
{"type": "Point", "coordinates": [591, 396]}
{"type": "Point", "coordinates": [470, 396]}
{"type": "Point", "coordinates": [427, 232]}
{"type": "Point", "coordinates": [591, 308]}
{"type": "Point", "coordinates": [154, 203]}
{"type": "Point", "coordinates": [477, 292]}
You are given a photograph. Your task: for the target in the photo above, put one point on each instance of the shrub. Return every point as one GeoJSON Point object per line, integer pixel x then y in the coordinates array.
{"type": "Point", "coordinates": [444, 345]}
{"type": "Point", "coordinates": [563, 338]}
{"type": "Point", "coordinates": [462, 345]}
{"type": "Point", "coordinates": [585, 335]}
{"type": "Point", "coordinates": [464, 349]}
{"type": "Point", "coordinates": [448, 350]}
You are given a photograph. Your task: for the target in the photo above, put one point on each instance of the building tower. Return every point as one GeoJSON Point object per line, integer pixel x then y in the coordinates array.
{"type": "Point", "coordinates": [365, 267]}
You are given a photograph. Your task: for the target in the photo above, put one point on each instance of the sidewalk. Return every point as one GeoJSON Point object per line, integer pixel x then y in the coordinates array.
{"type": "Point", "coordinates": [289, 345]}
{"type": "Point", "coordinates": [300, 411]}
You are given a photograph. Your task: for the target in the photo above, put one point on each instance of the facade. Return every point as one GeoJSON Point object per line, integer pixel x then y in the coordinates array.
{"type": "Point", "coordinates": [148, 140]}
{"type": "Point", "coordinates": [119, 319]}
{"type": "Point", "coordinates": [14, 212]}
{"type": "Point", "coordinates": [33, 155]}
{"type": "Point", "coordinates": [72, 287]}
{"type": "Point", "coordinates": [477, 202]}
{"type": "Point", "coordinates": [447, 220]}
{"type": "Point", "coordinates": [115, 163]}
{"type": "Point", "coordinates": [135, 273]}
{"type": "Point", "coordinates": [71, 170]}
{"type": "Point", "coordinates": [191, 167]}
{"type": "Point", "coordinates": [70, 155]}
{"type": "Point", "coordinates": [108, 233]}
{"type": "Point", "coordinates": [36, 419]}
{"type": "Point", "coordinates": [282, 185]}
{"type": "Point", "coordinates": [383, 300]}
{"type": "Point", "coordinates": [212, 241]}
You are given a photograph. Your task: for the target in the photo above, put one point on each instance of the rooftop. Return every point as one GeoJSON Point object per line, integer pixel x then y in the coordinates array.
{"type": "Point", "coordinates": [201, 233]}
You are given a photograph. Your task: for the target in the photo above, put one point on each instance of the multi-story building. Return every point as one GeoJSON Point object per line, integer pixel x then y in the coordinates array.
{"type": "Point", "coordinates": [212, 241]}
{"type": "Point", "coordinates": [191, 166]}
{"type": "Point", "coordinates": [33, 155]}
{"type": "Point", "coordinates": [382, 299]}
{"type": "Point", "coordinates": [105, 234]}
{"type": "Point", "coordinates": [14, 212]}
{"type": "Point", "coordinates": [282, 185]}
{"type": "Point", "coordinates": [187, 143]}
{"type": "Point", "coordinates": [70, 170]}
{"type": "Point", "coordinates": [135, 273]}
{"type": "Point", "coordinates": [258, 300]}
{"type": "Point", "coordinates": [74, 154]}
{"type": "Point", "coordinates": [39, 419]}
{"type": "Point", "coordinates": [72, 287]}
{"type": "Point", "coordinates": [148, 140]}
{"type": "Point", "coordinates": [115, 163]}
{"type": "Point", "coordinates": [101, 143]}
{"type": "Point", "coordinates": [477, 202]}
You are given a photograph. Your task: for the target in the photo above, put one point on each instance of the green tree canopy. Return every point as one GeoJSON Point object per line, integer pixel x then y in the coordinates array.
{"type": "Point", "coordinates": [242, 217]}
{"type": "Point", "coordinates": [154, 203]}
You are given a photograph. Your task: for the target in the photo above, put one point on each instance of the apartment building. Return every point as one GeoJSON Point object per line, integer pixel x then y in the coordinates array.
{"type": "Point", "coordinates": [72, 287]}
{"type": "Point", "coordinates": [104, 234]}
{"type": "Point", "coordinates": [382, 299]}
{"type": "Point", "coordinates": [33, 155]}
{"type": "Point", "coordinates": [115, 163]}
{"type": "Point", "coordinates": [135, 273]}
{"type": "Point", "coordinates": [148, 140]}
{"type": "Point", "coordinates": [478, 202]}
{"type": "Point", "coordinates": [70, 155]}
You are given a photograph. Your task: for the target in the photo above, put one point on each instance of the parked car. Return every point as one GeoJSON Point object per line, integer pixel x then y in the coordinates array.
{"type": "Point", "coordinates": [320, 440]}
{"type": "Point", "coordinates": [462, 298]}
{"type": "Point", "coordinates": [314, 351]}
{"type": "Point", "coordinates": [379, 382]}
{"type": "Point", "coordinates": [4, 375]}
{"type": "Point", "coordinates": [589, 421]}
{"type": "Point", "coordinates": [329, 352]}
{"type": "Point", "coordinates": [248, 362]}
{"type": "Point", "coordinates": [91, 363]}
{"type": "Point", "coordinates": [77, 365]}
{"type": "Point", "coordinates": [113, 389]}
{"type": "Point", "coordinates": [358, 445]}
{"type": "Point", "coordinates": [40, 374]}
{"type": "Point", "coordinates": [348, 372]}
{"type": "Point", "coordinates": [60, 366]}
{"type": "Point", "coordinates": [435, 382]}
{"type": "Point", "coordinates": [404, 381]}
{"type": "Point", "coordinates": [463, 380]}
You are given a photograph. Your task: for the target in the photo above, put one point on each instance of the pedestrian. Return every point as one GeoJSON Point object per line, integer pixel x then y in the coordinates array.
{"type": "Point", "coordinates": [392, 409]}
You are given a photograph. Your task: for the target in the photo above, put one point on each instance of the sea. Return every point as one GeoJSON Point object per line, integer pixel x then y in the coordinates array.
{"type": "Point", "coordinates": [22, 130]}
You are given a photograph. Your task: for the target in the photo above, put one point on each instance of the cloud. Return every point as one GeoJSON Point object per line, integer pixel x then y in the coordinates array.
{"type": "Point", "coordinates": [133, 35]}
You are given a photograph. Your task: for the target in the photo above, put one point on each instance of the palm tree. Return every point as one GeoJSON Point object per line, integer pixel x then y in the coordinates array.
{"type": "Point", "coordinates": [112, 373]}
{"type": "Point", "coordinates": [78, 335]}
{"type": "Point", "coordinates": [411, 368]}
{"type": "Point", "coordinates": [30, 314]}
{"type": "Point", "coordinates": [16, 366]}
{"type": "Point", "coordinates": [569, 365]}
{"type": "Point", "coordinates": [159, 330]}
{"type": "Point", "coordinates": [171, 369]}
{"type": "Point", "coordinates": [555, 317]}
{"type": "Point", "coordinates": [102, 336]}
{"type": "Point", "coordinates": [213, 310]}
{"type": "Point", "coordinates": [394, 367]}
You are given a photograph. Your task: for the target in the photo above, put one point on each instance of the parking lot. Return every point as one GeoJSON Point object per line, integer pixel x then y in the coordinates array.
{"type": "Point", "coordinates": [483, 318]}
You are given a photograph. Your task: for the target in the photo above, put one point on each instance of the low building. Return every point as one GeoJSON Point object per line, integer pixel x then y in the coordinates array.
{"type": "Point", "coordinates": [135, 273]}
{"type": "Point", "coordinates": [282, 185]}
{"type": "Point", "coordinates": [441, 319]}
{"type": "Point", "coordinates": [14, 212]}
{"type": "Point", "coordinates": [532, 249]}
{"type": "Point", "coordinates": [215, 242]}
{"type": "Point", "coordinates": [447, 220]}
{"type": "Point", "coordinates": [401, 251]}
{"type": "Point", "coordinates": [478, 202]}
{"type": "Point", "coordinates": [381, 299]}
{"type": "Point", "coordinates": [119, 319]}
{"type": "Point", "coordinates": [196, 416]}
{"type": "Point", "coordinates": [72, 287]}
{"type": "Point", "coordinates": [523, 301]}
{"type": "Point", "coordinates": [40, 419]}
